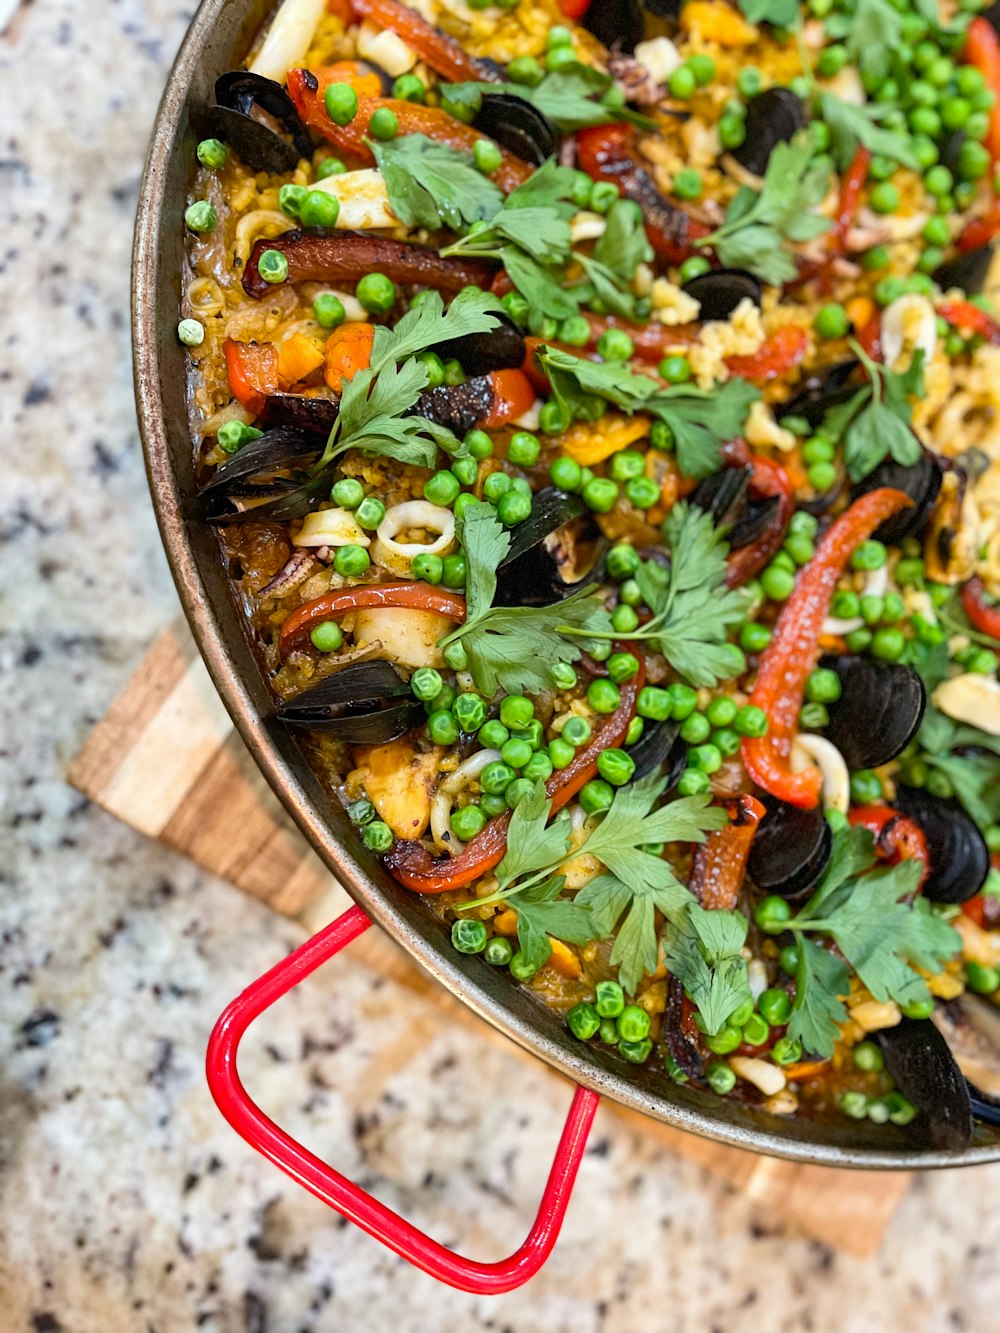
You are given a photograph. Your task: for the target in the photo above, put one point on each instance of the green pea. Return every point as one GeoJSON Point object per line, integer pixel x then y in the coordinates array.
{"type": "Point", "coordinates": [520, 968]}
{"type": "Point", "coordinates": [212, 153]}
{"type": "Point", "coordinates": [583, 1021]}
{"type": "Point", "coordinates": [515, 752]}
{"type": "Point", "coordinates": [823, 686]}
{"type": "Point", "coordinates": [633, 1023]}
{"type": "Point", "coordinates": [777, 583]}
{"type": "Point", "coordinates": [938, 180]}
{"type": "Point", "coordinates": [498, 951]}
{"type": "Point", "coordinates": [383, 124]}
{"type": "Point", "coordinates": [866, 787]}
{"type": "Point", "coordinates": [525, 70]}
{"type": "Point", "coordinates": [721, 711]}
{"type": "Point", "coordinates": [688, 183]}
{"type": "Point", "coordinates": [705, 758]}
{"type": "Point", "coordinates": [721, 1079]}
{"type": "Point", "coordinates": [603, 695]}
{"type": "Point", "coordinates": [749, 80]}
{"type": "Point", "coordinates": [615, 344]}
{"type": "Point", "coordinates": [884, 197]}
{"type": "Point", "coordinates": [622, 667]}
{"type": "Point", "coordinates": [750, 721]}
{"type": "Point", "coordinates": [813, 717]}
{"type": "Point", "coordinates": [973, 161]}
{"type": "Point", "coordinates": [732, 131]}
{"type": "Point", "coordinates": [563, 675]}
{"type": "Point", "coordinates": [523, 449]}
{"type": "Point", "coordinates": [600, 495]}
{"type": "Point", "coordinates": [692, 782]}
{"type": "Point", "coordinates": [442, 727]}
{"type": "Point", "coordinates": [800, 548]}
{"type": "Point", "coordinates": [636, 1052]}
{"type": "Point", "coordinates": [377, 836]}
{"type": "Point", "coordinates": [191, 332]}
{"type": "Point", "coordinates": [726, 740]}
{"type": "Point", "coordinates": [624, 619]}
{"type": "Point", "coordinates": [330, 166]}
{"type": "Point", "coordinates": [377, 293]}
{"type": "Point", "coordinates": [682, 82]}
{"type": "Point", "coordinates": [470, 712]}
{"type": "Point", "coordinates": [341, 102]}
{"type": "Point", "coordinates": [561, 753]}
{"type": "Point", "coordinates": [348, 492]}
{"type": "Point", "coordinates": [867, 1057]}
{"type": "Point", "coordinates": [479, 445]}
{"type": "Point", "coordinates": [370, 513]}
{"type": "Point", "coordinates": [831, 61]}
{"type": "Point", "coordinates": [351, 561]}
{"type": "Point", "coordinates": [695, 729]}
{"type": "Point", "coordinates": [454, 571]}
{"type": "Point", "coordinates": [201, 218]}
{"type": "Point", "coordinates": [361, 812]}
{"type": "Point", "coordinates": [703, 68]}
{"type": "Point", "coordinates": [832, 320]}
{"type": "Point", "coordinates": [425, 683]}
{"type": "Point", "coordinates": [513, 508]}
{"type": "Point", "coordinates": [596, 796]}
{"type": "Point", "coordinates": [888, 644]}
{"type": "Point", "coordinates": [693, 268]}
{"type": "Point", "coordinates": [725, 1041]}
{"type": "Point", "coordinates": [327, 636]}
{"type": "Point", "coordinates": [319, 208]}
{"type": "Point", "coordinates": [876, 258]}
{"type": "Point", "coordinates": [756, 1030]}
{"type": "Point", "coordinates": [654, 703]}
{"type": "Point", "coordinates": [465, 824]}
{"type": "Point", "coordinates": [775, 1006]}
{"type": "Point", "coordinates": [615, 767]}
{"type": "Point", "coordinates": [328, 310]}
{"type": "Point", "coordinates": [409, 88]}
{"type": "Point", "coordinates": [771, 913]}
{"type": "Point", "coordinates": [290, 199]}
{"type": "Point", "coordinates": [684, 700]}
{"type": "Point", "coordinates": [602, 195]}
{"type": "Point", "coordinates": [786, 1051]}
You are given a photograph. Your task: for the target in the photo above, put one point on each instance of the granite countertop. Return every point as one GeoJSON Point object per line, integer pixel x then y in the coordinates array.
{"type": "Point", "coordinates": [126, 1204]}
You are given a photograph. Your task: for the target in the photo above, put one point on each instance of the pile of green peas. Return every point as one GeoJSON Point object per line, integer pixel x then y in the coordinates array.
{"type": "Point", "coordinates": [893, 1107]}
{"type": "Point", "coordinates": [751, 1025]}
{"type": "Point", "coordinates": [614, 1022]}
{"type": "Point", "coordinates": [471, 936]}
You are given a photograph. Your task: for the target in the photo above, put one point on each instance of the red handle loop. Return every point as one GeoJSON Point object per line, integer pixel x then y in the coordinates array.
{"type": "Point", "coordinates": [349, 1199]}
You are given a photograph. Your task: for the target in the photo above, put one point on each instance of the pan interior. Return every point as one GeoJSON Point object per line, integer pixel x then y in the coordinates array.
{"type": "Point", "coordinates": [219, 37]}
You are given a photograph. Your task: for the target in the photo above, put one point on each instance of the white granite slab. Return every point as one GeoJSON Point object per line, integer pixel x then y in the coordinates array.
{"type": "Point", "coordinates": [126, 1205]}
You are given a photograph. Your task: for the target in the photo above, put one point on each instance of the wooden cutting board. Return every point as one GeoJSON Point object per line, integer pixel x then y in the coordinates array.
{"type": "Point", "coordinates": [166, 760]}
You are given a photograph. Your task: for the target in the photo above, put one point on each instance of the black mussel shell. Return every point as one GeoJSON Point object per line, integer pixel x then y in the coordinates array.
{"type": "Point", "coordinates": [959, 857]}
{"type": "Point", "coordinates": [879, 710]}
{"type": "Point", "coordinates": [719, 293]}
{"type": "Point", "coordinates": [557, 549]}
{"type": "Point", "coordinates": [951, 149]}
{"type": "Point", "coordinates": [921, 482]}
{"type": "Point", "coordinates": [967, 270]}
{"type": "Point", "coordinates": [660, 750]}
{"type": "Point", "coordinates": [240, 99]}
{"type": "Point", "coordinates": [925, 1072]}
{"type": "Point", "coordinates": [620, 25]}
{"type": "Point", "coordinates": [501, 348]}
{"type": "Point", "coordinates": [248, 487]}
{"type": "Point", "coordinates": [773, 117]}
{"type": "Point", "coordinates": [460, 407]}
{"type": "Point", "coordinates": [518, 126]}
{"type": "Point", "coordinates": [790, 849]}
{"type": "Point", "coordinates": [304, 412]}
{"type": "Point", "coordinates": [726, 496]}
{"type": "Point", "coordinates": [971, 1027]}
{"type": "Point", "coordinates": [365, 703]}
{"type": "Point", "coordinates": [828, 388]}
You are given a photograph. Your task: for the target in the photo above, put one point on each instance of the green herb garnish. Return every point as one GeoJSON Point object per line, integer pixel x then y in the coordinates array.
{"type": "Point", "coordinates": [851, 125]}
{"type": "Point", "coordinates": [876, 420]}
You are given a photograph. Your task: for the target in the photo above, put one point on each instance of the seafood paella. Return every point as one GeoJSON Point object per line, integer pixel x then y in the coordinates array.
{"type": "Point", "coordinates": [598, 406]}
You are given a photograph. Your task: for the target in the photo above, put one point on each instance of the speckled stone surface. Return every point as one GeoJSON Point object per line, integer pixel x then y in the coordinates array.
{"type": "Point", "coordinates": [126, 1205]}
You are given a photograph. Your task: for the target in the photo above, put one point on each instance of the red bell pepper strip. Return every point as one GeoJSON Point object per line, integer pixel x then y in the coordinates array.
{"type": "Point", "coordinates": [870, 338]}
{"type": "Point", "coordinates": [306, 90]}
{"type": "Point", "coordinates": [980, 231]}
{"type": "Point", "coordinates": [413, 596]}
{"type": "Point", "coordinates": [444, 54]}
{"type": "Point", "coordinates": [784, 349]}
{"type": "Point", "coordinates": [983, 617]}
{"type": "Point", "coordinates": [719, 863]}
{"type": "Point", "coordinates": [794, 649]}
{"type": "Point", "coordinates": [574, 9]}
{"type": "Point", "coordinates": [970, 318]}
{"type": "Point", "coordinates": [768, 479]}
{"type": "Point", "coordinates": [412, 864]}
{"type": "Point", "coordinates": [513, 395]}
{"type": "Point", "coordinates": [607, 153]}
{"type": "Point", "coordinates": [348, 255]}
{"type": "Point", "coordinates": [253, 372]}
{"type": "Point", "coordinates": [982, 49]}
{"type": "Point", "coordinates": [851, 184]}
{"type": "Point", "coordinates": [897, 837]}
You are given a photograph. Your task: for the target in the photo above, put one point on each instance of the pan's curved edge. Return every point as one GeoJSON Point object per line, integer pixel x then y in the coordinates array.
{"type": "Point", "coordinates": [208, 30]}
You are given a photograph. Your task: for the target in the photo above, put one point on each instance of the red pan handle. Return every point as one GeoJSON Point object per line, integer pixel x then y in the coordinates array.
{"type": "Point", "coordinates": [349, 1199]}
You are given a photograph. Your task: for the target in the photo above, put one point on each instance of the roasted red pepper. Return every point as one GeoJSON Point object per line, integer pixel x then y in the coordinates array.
{"type": "Point", "coordinates": [348, 255]}
{"type": "Point", "coordinates": [851, 185]}
{"type": "Point", "coordinates": [768, 479]}
{"type": "Point", "coordinates": [306, 90]}
{"type": "Point", "coordinates": [444, 54]}
{"type": "Point", "coordinates": [720, 862]}
{"type": "Point", "coordinates": [784, 349]}
{"type": "Point", "coordinates": [982, 49]}
{"type": "Point", "coordinates": [607, 153]}
{"type": "Point", "coordinates": [413, 596]}
{"type": "Point", "coordinates": [574, 9]}
{"type": "Point", "coordinates": [970, 318]}
{"type": "Point", "coordinates": [870, 338]}
{"type": "Point", "coordinates": [253, 372]}
{"type": "Point", "coordinates": [412, 864]}
{"type": "Point", "coordinates": [980, 231]}
{"type": "Point", "coordinates": [513, 395]}
{"type": "Point", "coordinates": [793, 651]}
{"type": "Point", "coordinates": [897, 837]}
{"type": "Point", "coordinates": [983, 617]}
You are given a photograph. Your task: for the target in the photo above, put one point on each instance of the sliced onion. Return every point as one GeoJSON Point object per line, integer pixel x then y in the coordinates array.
{"type": "Point", "coordinates": [809, 750]}
{"type": "Point", "coordinates": [398, 557]}
{"type": "Point", "coordinates": [444, 797]}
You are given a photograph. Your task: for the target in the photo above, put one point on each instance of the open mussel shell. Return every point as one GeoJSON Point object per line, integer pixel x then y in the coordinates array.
{"type": "Point", "coordinates": [790, 849]}
{"type": "Point", "coordinates": [660, 750]}
{"type": "Point", "coordinates": [719, 293]}
{"type": "Point", "coordinates": [881, 705]}
{"type": "Point", "coordinates": [266, 481]}
{"type": "Point", "coordinates": [502, 348]}
{"type": "Point", "coordinates": [518, 126]}
{"type": "Point", "coordinates": [921, 482]}
{"type": "Point", "coordinates": [773, 116]}
{"type": "Point", "coordinates": [925, 1072]}
{"type": "Point", "coordinates": [726, 496]}
{"type": "Point", "coordinates": [823, 390]}
{"type": "Point", "coordinates": [971, 1027]}
{"type": "Point", "coordinates": [260, 459]}
{"type": "Point", "coordinates": [959, 857]}
{"type": "Point", "coordinates": [619, 25]}
{"type": "Point", "coordinates": [366, 703]}
{"type": "Point", "coordinates": [556, 550]}
{"type": "Point", "coordinates": [967, 270]}
{"type": "Point", "coordinates": [258, 119]}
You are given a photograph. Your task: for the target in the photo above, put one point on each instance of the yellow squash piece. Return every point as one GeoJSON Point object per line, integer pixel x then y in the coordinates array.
{"type": "Point", "coordinates": [717, 23]}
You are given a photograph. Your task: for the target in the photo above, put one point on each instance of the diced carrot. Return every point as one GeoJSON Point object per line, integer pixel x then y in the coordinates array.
{"type": "Point", "coordinates": [563, 960]}
{"type": "Point", "coordinates": [860, 310]}
{"type": "Point", "coordinates": [717, 23]}
{"type": "Point", "coordinates": [590, 444]}
{"type": "Point", "coordinates": [365, 82]}
{"type": "Point", "coordinates": [298, 356]}
{"type": "Point", "coordinates": [505, 923]}
{"type": "Point", "coordinates": [348, 350]}
{"type": "Point", "coordinates": [253, 372]}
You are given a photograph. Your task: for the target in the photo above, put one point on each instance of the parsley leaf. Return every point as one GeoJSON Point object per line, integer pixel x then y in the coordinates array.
{"type": "Point", "coordinates": [850, 125]}
{"type": "Point", "coordinates": [871, 34]}
{"type": "Point", "coordinates": [532, 842]}
{"type": "Point", "coordinates": [876, 421]}
{"type": "Point", "coordinates": [758, 225]}
{"type": "Point", "coordinates": [693, 610]}
{"type": "Point", "coordinates": [700, 419]}
{"type": "Point", "coordinates": [703, 952]}
{"type": "Point", "coordinates": [568, 96]}
{"type": "Point", "coordinates": [372, 404]}
{"type": "Point", "coordinates": [431, 185]}
{"type": "Point", "coordinates": [541, 912]}
{"type": "Point", "coordinates": [619, 251]}
{"type": "Point", "coordinates": [782, 13]}
{"type": "Point", "coordinates": [817, 1010]}
{"type": "Point", "coordinates": [514, 647]}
